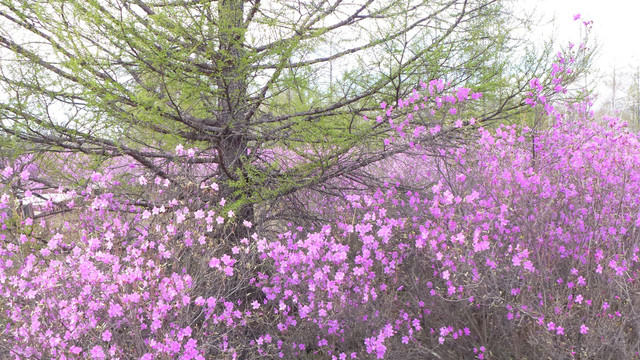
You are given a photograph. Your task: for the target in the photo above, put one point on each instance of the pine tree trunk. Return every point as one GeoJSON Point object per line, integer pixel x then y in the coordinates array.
{"type": "Point", "coordinates": [232, 100]}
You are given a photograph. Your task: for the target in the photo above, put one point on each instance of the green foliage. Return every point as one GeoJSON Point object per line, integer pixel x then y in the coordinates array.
{"type": "Point", "coordinates": [137, 78]}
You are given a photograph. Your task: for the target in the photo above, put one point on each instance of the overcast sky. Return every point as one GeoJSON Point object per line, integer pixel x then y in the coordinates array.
{"type": "Point", "coordinates": [616, 25]}
{"type": "Point", "coordinates": [616, 28]}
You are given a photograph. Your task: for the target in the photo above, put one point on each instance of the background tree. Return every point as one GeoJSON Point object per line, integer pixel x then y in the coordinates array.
{"type": "Point", "coordinates": [136, 78]}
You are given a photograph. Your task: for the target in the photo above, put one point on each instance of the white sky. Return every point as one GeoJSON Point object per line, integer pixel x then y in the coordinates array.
{"type": "Point", "coordinates": [615, 25]}
{"type": "Point", "coordinates": [616, 29]}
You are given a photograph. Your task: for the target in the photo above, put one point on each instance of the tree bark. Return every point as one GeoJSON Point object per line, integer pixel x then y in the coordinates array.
{"type": "Point", "coordinates": [232, 100]}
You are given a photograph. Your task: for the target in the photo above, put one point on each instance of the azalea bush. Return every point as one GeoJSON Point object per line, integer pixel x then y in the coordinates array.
{"type": "Point", "coordinates": [502, 242]}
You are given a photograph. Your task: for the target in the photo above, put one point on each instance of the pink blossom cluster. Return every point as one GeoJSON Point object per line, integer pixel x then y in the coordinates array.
{"type": "Point", "coordinates": [511, 244]}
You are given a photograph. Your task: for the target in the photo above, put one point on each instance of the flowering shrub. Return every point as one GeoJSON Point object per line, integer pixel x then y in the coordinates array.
{"type": "Point", "coordinates": [511, 244]}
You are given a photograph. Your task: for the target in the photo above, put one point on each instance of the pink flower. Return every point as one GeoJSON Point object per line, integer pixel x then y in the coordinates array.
{"type": "Point", "coordinates": [445, 274]}
{"type": "Point", "coordinates": [463, 93]}
{"type": "Point", "coordinates": [214, 263]}
{"type": "Point", "coordinates": [106, 336]}
{"type": "Point", "coordinates": [529, 265]}
{"type": "Point", "coordinates": [115, 310]}
{"type": "Point", "coordinates": [8, 171]}
{"type": "Point", "coordinates": [584, 329]}
{"type": "Point", "coordinates": [97, 353]}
